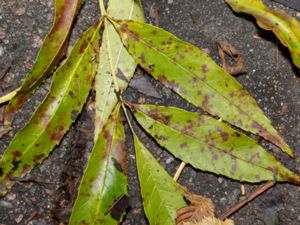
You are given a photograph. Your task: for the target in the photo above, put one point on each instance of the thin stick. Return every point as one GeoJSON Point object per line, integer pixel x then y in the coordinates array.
{"type": "Point", "coordinates": [261, 189]}
{"type": "Point", "coordinates": [179, 171]}
{"type": "Point", "coordinates": [8, 96]}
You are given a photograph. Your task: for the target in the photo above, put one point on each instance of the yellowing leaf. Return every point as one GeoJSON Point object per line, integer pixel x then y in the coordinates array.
{"type": "Point", "coordinates": [52, 50]}
{"type": "Point", "coordinates": [104, 182]}
{"type": "Point", "coordinates": [106, 98]}
{"type": "Point", "coordinates": [210, 145]}
{"type": "Point", "coordinates": [191, 73]}
{"type": "Point", "coordinates": [160, 193]}
{"type": "Point", "coordinates": [285, 27]}
{"type": "Point", "coordinates": [70, 87]}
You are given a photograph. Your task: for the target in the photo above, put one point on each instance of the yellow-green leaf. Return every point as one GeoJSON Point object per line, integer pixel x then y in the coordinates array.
{"type": "Point", "coordinates": [191, 73]}
{"type": "Point", "coordinates": [106, 98]}
{"type": "Point", "coordinates": [52, 50]}
{"type": "Point", "coordinates": [285, 27]}
{"type": "Point", "coordinates": [161, 195]}
{"type": "Point", "coordinates": [69, 90]}
{"type": "Point", "coordinates": [104, 182]}
{"type": "Point", "coordinates": [210, 145]}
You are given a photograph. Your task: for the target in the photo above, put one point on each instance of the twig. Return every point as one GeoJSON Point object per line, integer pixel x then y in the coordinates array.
{"type": "Point", "coordinates": [261, 189]}
{"type": "Point", "coordinates": [102, 8]}
{"type": "Point", "coordinates": [179, 171]}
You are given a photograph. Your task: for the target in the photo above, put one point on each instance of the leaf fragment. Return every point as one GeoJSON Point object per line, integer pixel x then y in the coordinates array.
{"type": "Point", "coordinates": [52, 50]}
{"type": "Point", "coordinates": [106, 98]}
{"type": "Point", "coordinates": [161, 195]}
{"type": "Point", "coordinates": [69, 89]}
{"type": "Point", "coordinates": [210, 145]}
{"type": "Point", "coordinates": [284, 26]}
{"type": "Point", "coordinates": [104, 183]}
{"type": "Point", "coordinates": [192, 74]}
{"type": "Point", "coordinates": [196, 211]}
{"type": "Point", "coordinates": [200, 211]}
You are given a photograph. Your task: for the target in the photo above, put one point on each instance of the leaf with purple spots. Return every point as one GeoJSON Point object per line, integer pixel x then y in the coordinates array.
{"type": "Point", "coordinates": [52, 50]}
{"type": "Point", "coordinates": [104, 184]}
{"type": "Point", "coordinates": [161, 195]}
{"type": "Point", "coordinates": [192, 74]}
{"type": "Point", "coordinates": [70, 87]}
{"type": "Point", "coordinates": [210, 145]}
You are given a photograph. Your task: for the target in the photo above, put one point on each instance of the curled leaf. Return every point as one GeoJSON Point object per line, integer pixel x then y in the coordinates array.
{"type": "Point", "coordinates": [53, 48]}
{"type": "Point", "coordinates": [210, 145]}
{"type": "Point", "coordinates": [191, 73]}
{"type": "Point", "coordinates": [69, 89]}
{"type": "Point", "coordinates": [225, 48]}
{"type": "Point", "coordinates": [161, 195]}
{"type": "Point", "coordinates": [285, 27]}
{"type": "Point", "coordinates": [104, 184]}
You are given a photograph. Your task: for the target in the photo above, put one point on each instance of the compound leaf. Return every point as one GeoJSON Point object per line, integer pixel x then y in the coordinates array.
{"type": "Point", "coordinates": [285, 27]}
{"type": "Point", "coordinates": [210, 145]}
{"type": "Point", "coordinates": [161, 195]}
{"type": "Point", "coordinates": [106, 98]}
{"type": "Point", "coordinates": [52, 50]}
{"type": "Point", "coordinates": [191, 73]}
{"type": "Point", "coordinates": [104, 182]}
{"type": "Point", "coordinates": [70, 87]}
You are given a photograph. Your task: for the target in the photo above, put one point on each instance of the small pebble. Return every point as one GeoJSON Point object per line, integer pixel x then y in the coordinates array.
{"type": "Point", "coordinates": [170, 1]}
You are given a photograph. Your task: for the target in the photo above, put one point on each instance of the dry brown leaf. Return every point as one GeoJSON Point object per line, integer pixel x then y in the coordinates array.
{"type": "Point", "coordinates": [212, 221]}
{"type": "Point", "coordinates": [225, 48]}
{"type": "Point", "coordinates": [198, 209]}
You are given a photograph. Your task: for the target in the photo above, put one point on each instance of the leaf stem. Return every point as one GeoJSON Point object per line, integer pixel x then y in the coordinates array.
{"type": "Point", "coordinates": [102, 7]}
{"type": "Point", "coordinates": [179, 171]}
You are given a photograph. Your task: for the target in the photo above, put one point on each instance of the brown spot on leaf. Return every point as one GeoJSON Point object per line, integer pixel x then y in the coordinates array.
{"type": "Point", "coordinates": [183, 145]}
{"type": "Point", "coordinates": [83, 47]}
{"type": "Point", "coordinates": [1, 172]}
{"type": "Point", "coordinates": [71, 93]}
{"type": "Point", "coordinates": [204, 68]}
{"type": "Point", "coordinates": [16, 154]}
{"type": "Point", "coordinates": [38, 158]}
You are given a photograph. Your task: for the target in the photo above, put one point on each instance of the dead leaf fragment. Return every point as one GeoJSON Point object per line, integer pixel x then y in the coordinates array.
{"type": "Point", "coordinates": [154, 13]}
{"type": "Point", "coordinates": [212, 221]}
{"type": "Point", "coordinates": [200, 211]}
{"type": "Point", "coordinates": [238, 67]}
{"type": "Point", "coordinates": [196, 211]}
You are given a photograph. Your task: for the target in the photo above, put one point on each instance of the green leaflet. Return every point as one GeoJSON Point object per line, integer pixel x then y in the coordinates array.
{"type": "Point", "coordinates": [210, 145]}
{"type": "Point", "coordinates": [191, 73]}
{"type": "Point", "coordinates": [52, 50]}
{"type": "Point", "coordinates": [285, 27]}
{"type": "Point", "coordinates": [70, 87]}
{"type": "Point", "coordinates": [106, 98]}
{"type": "Point", "coordinates": [105, 179]}
{"type": "Point", "coordinates": [161, 195]}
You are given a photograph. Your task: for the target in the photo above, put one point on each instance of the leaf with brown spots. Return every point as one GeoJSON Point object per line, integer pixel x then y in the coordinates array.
{"type": "Point", "coordinates": [285, 27]}
{"type": "Point", "coordinates": [54, 116]}
{"type": "Point", "coordinates": [210, 145]}
{"type": "Point", "coordinates": [104, 183]}
{"type": "Point", "coordinates": [191, 73]}
{"type": "Point", "coordinates": [52, 50]}
{"type": "Point", "coordinates": [125, 66]}
{"type": "Point", "coordinates": [162, 197]}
